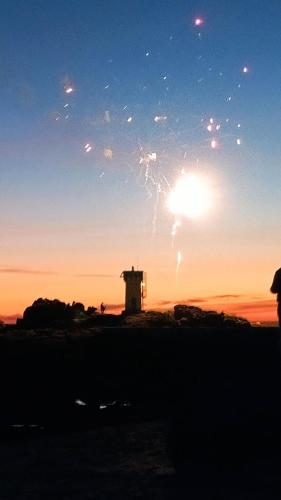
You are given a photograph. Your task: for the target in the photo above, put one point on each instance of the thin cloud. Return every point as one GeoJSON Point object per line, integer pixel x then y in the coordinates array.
{"type": "Point", "coordinates": [114, 307]}
{"type": "Point", "coordinates": [181, 302]}
{"type": "Point", "coordinates": [248, 306]}
{"type": "Point", "coordinates": [196, 300]}
{"type": "Point", "coordinates": [19, 270]}
{"type": "Point", "coordinates": [202, 300]}
{"type": "Point", "coordinates": [262, 305]}
{"type": "Point", "coordinates": [10, 319]}
{"type": "Point", "coordinates": [165, 303]}
{"type": "Point", "coordinates": [226, 296]}
{"type": "Point", "coordinates": [94, 275]}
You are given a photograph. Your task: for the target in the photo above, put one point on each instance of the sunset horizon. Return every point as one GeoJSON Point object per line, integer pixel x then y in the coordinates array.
{"type": "Point", "coordinates": [257, 308]}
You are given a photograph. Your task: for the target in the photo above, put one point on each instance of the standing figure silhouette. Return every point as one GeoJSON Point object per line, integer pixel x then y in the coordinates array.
{"type": "Point", "coordinates": [276, 288]}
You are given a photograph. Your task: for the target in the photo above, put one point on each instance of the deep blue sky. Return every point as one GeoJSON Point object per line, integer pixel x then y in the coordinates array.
{"type": "Point", "coordinates": [138, 59]}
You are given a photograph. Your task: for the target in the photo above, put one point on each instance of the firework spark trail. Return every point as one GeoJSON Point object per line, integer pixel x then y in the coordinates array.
{"type": "Point", "coordinates": [178, 133]}
{"type": "Point", "coordinates": [175, 227]}
{"type": "Point", "coordinates": [155, 211]}
{"type": "Point", "coordinates": [179, 261]}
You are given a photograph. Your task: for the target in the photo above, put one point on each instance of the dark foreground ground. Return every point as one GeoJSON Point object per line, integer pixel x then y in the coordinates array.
{"type": "Point", "coordinates": [121, 462]}
{"type": "Point", "coordinates": [197, 414]}
{"type": "Point", "coordinates": [124, 461]}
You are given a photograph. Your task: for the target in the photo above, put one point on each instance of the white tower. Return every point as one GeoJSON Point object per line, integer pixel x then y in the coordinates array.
{"type": "Point", "coordinates": [135, 288]}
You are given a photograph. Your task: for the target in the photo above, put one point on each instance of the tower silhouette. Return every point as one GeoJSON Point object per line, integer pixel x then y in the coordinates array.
{"type": "Point", "coordinates": [134, 290]}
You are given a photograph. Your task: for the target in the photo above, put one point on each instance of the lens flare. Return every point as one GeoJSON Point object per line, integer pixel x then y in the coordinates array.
{"type": "Point", "coordinates": [191, 196]}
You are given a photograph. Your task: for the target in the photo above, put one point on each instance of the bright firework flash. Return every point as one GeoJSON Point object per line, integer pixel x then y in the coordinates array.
{"type": "Point", "coordinates": [191, 196]}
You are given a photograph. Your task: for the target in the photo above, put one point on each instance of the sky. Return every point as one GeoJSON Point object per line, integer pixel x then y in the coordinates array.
{"type": "Point", "coordinates": [105, 107]}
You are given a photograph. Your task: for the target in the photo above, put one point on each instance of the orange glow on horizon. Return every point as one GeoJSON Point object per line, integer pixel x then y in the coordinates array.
{"type": "Point", "coordinates": [263, 310]}
{"type": "Point", "coordinates": [204, 279]}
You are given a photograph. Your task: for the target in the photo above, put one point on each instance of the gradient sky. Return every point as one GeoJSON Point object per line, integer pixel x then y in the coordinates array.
{"type": "Point", "coordinates": [73, 220]}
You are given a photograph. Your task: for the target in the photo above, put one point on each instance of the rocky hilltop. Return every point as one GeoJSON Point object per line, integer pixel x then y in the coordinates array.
{"type": "Point", "coordinates": [54, 313]}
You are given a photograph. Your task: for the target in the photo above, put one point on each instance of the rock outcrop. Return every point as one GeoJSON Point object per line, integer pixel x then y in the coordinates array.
{"type": "Point", "coordinates": [192, 316]}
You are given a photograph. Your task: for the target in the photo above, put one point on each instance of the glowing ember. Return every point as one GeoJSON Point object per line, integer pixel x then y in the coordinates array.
{"type": "Point", "coordinates": [79, 402]}
{"type": "Point", "coordinates": [147, 158]}
{"type": "Point", "coordinates": [107, 117]}
{"type": "Point", "coordinates": [191, 196]}
{"type": "Point", "coordinates": [68, 90]}
{"type": "Point", "coordinates": [88, 148]}
{"type": "Point", "coordinates": [108, 153]}
{"type": "Point", "coordinates": [159, 119]}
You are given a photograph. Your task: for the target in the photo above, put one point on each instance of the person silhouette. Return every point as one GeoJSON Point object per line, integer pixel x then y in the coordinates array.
{"type": "Point", "coordinates": [276, 288]}
{"type": "Point", "coordinates": [102, 308]}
